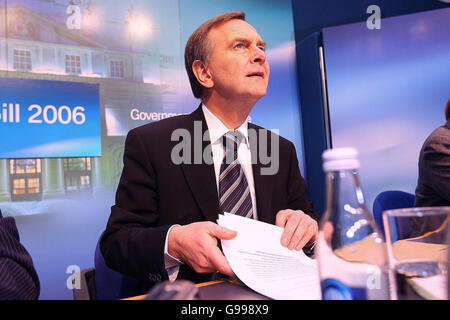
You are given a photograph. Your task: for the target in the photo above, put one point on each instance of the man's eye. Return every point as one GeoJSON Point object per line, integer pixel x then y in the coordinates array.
{"type": "Point", "coordinates": [239, 46]}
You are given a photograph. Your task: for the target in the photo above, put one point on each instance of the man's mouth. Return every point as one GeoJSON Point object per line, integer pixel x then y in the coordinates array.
{"type": "Point", "coordinates": [256, 74]}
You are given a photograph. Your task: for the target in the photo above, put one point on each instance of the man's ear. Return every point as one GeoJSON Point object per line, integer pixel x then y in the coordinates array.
{"type": "Point", "coordinates": [202, 74]}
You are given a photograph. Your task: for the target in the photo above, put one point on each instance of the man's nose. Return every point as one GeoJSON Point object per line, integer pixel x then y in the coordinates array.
{"type": "Point", "coordinates": [258, 55]}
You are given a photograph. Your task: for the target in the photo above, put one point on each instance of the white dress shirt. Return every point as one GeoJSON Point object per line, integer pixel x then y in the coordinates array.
{"type": "Point", "coordinates": [216, 130]}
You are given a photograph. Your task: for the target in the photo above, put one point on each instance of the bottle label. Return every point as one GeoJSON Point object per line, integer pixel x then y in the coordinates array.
{"type": "Point", "coordinates": [333, 289]}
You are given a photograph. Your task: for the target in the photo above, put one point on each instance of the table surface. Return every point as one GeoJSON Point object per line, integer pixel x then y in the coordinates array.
{"type": "Point", "coordinates": [229, 290]}
{"type": "Point", "coordinates": [220, 290]}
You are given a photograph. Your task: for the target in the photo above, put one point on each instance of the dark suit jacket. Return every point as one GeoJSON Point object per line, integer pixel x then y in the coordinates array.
{"type": "Point", "coordinates": [154, 193]}
{"type": "Point", "coordinates": [433, 186]}
{"type": "Point", "coordinates": [18, 278]}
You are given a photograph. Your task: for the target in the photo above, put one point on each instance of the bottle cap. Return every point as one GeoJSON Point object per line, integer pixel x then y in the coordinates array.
{"type": "Point", "coordinates": [340, 159]}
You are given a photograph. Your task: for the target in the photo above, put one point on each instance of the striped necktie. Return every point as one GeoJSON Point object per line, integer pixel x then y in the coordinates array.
{"type": "Point", "coordinates": [234, 192]}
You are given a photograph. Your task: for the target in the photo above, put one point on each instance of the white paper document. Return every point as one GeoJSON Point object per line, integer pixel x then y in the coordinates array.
{"type": "Point", "coordinates": [260, 261]}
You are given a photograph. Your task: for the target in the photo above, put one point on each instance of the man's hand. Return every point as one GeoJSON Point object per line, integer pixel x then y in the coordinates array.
{"type": "Point", "coordinates": [196, 245]}
{"type": "Point", "coordinates": [299, 228]}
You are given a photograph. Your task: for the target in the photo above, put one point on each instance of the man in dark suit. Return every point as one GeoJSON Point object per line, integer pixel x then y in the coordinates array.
{"type": "Point", "coordinates": [18, 278]}
{"type": "Point", "coordinates": [433, 186]}
{"type": "Point", "coordinates": [176, 179]}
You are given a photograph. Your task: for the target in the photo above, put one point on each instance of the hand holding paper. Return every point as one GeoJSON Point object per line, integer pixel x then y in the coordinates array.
{"type": "Point", "coordinates": [196, 245]}
{"type": "Point", "coordinates": [260, 261]}
{"type": "Point", "coordinates": [299, 228]}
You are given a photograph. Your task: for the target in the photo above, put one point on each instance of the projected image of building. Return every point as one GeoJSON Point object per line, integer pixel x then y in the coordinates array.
{"type": "Point", "coordinates": [37, 41]}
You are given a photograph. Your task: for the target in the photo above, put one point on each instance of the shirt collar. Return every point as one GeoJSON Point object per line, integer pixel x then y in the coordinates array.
{"type": "Point", "coordinates": [217, 128]}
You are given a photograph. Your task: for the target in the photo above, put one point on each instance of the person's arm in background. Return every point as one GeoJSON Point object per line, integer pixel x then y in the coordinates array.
{"type": "Point", "coordinates": [18, 278]}
{"type": "Point", "coordinates": [436, 161]}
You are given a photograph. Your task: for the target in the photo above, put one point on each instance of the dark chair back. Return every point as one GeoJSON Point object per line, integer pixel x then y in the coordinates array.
{"type": "Point", "coordinates": [389, 200]}
{"type": "Point", "coordinates": [110, 284]}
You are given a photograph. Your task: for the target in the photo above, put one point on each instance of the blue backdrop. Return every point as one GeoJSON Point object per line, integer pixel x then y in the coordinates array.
{"type": "Point", "coordinates": [387, 90]}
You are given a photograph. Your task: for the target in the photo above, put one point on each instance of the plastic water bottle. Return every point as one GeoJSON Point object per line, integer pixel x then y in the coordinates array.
{"type": "Point", "coordinates": [351, 252]}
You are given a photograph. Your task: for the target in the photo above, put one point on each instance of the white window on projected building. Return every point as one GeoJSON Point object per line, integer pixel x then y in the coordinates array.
{"type": "Point", "coordinates": [73, 64]}
{"type": "Point", "coordinates": [78, 176]}
{"type": "Point", "coordinates": [22, 60]}
{"type": "Point", "coordinates": [117, 69]}
{"type": "Point", "coordinates": [25, 178]}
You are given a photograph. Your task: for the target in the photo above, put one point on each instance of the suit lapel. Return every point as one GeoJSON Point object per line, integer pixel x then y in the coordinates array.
{"type": "Point", "coordinates": [200, 176]}
{"type": "Point", "coordinates": [263, 187]}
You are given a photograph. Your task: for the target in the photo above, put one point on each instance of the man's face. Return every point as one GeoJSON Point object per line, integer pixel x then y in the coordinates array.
{"type": "Point", "coordinates": [238, 65]}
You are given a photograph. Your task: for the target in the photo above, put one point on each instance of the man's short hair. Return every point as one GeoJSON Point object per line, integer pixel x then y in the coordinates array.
{"type": "Point", "coordinates": [447, 110]}
{"type": "Point", "coordinates": [198, 47]}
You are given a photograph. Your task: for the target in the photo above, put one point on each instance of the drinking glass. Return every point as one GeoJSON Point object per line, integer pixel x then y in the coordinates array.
{"type": "Point", "coordinates": [417, 246]}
